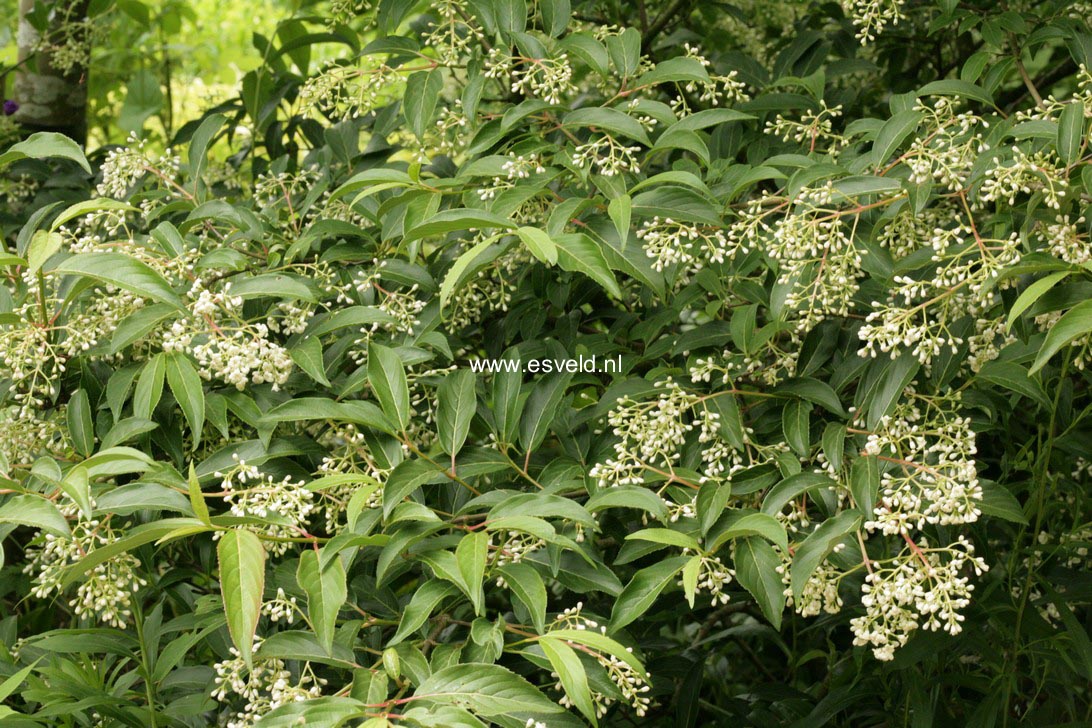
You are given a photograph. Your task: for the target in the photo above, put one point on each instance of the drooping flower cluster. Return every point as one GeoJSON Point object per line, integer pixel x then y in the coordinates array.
{"type": "Point", "coordinates": [713, 576]}
{"type": "Point", "coordinates": [632, 685]}
{"type": "Point", "coordinates": [671, 242]}
{"type": "Point", "coordinates": [264, 686]}
{"type": "Point", "coordinates": [106, 592]}
{"type": "Point", "coordinates": [284, 505]}
{"type": "Point", "coordinates": [921, 587]}
{"type": "Point", "coordinates": [934, 479]}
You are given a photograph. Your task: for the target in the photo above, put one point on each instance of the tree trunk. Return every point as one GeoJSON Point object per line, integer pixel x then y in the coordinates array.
{"type": "Point", "coordinates": [49, 98]}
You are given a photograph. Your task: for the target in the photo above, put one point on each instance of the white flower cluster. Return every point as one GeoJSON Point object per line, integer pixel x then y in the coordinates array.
{"type": "Point", "coordinates": [106, 593]}
{"type": "Point", "coordinates": [727, 89]}
{"type": "Point", "coordinates": [451, 36]}
{"type": "Point", "coordinates": [517, 167]}
{"type": "Point", "coordinates": [921, 311]}
{"type": "Point", "coordinates": [607, 156]}
{"type": "Point", "coordinates": [813, 126]}
{"type": "Point", "coordinates": [922, 587]}
{"type": "Point", "coordinates": [820, 592]}
{"type": "Point", "coordinates": [125, 166]}
{"type": "Point", "coordinates": [1024, 174]}
{"type": "Point", "coordinates": [265, 686]}
{"type": "Point", "coordinates": [670, 242]}
{"type": "Point", "coordinates": [946, 146]}
{"type": "Point", "coordinates": [281, 607]}
{"type": "Point", "coordinates": [284, 505]}
{"type": "Point", "coordinates": [650, 433]}
{"type": "Point", "coordinates": [815, 255]}
{"type": "Point", "coordinates": [631, 684]}
{"type": "Point", "coordinates": [351, 92]}
{"type": "Point", "coordinates": [513, 548]}
{"type": "Point", "coordinates": [872, 16]}
{"type": "Point", "coordinates": [713, 577]}
{"type": "Point", "coordinates": [549, 79]}
{"type": "Point", "coordinates": [244, 357]}
{"type": "Point", "coordinates": [1066, 241]}
{"type": "Point", "coordinates": [935, 479]}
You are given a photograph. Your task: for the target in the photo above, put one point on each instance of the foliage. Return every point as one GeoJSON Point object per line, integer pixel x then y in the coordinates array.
{"type": "Point", "coordinates": [265, 460]}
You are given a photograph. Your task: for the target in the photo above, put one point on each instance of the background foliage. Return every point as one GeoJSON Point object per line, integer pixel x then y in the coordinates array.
{"type": "Point", "coordinates": [251, 474]}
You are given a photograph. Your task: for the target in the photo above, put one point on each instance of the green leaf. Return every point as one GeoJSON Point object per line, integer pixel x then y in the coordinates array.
{"type": "Point", "coordinates": [998, 502]}
{"type": "Point", "coordinates": [815, 548]}
{"type": "Point", "coordinates": [1071, 127]}
{"type": "Point", "coordinates": [579, 254]}
{"type": "Point", "coordinates": [80, 426]}
{"type": "Point", "coordinates": [186, 387]}
{"type": "Point", "coordinates": [643, 589]}
{"type": "Point", "coordinates": [242, 580]}
{"type": "Point", "coordinates": [620, 210]}
{"type": "Point", "coordinates": [387, 377]}
{"type": "Point", "coordinates": [1074, 323]}
{"type": "Point", "coordinates": [796, 424]}
{"type": "Point", "coordinates": [419, 101]}
{"type": "Point", "coordinates": [122, 271]}
{"type": "Point", "coordinates": [815, 391]}
{"type": "Point", "coordinates": [864, 483]}
{"type": "Point", "coordinates": [82, 208]}
{"type": "Point", "coordinates": [690, 575]}
{"type": "Point", "coordinates": [330, 711]}
{"type": "Point", "coordinates": [42, 247]}
{"type": "Point", "coordinates": [199, 144]}
{"type": "Point", "coordinates": [893, 133]}
{"type": "Point", "coordinates": [34, 511]}
{"type": "Point", "coordinates": [756, 565]}
{"type": "Point", "coordinates": [43, 144]}
{"type": "Point", "coordinates": [570, 671]}
{"type": "Point", "coordinates": [197, 497]}
{"type": "Point", "coordinates": [456, 404]}
{"type": "Point", "coordinates": [271, 285]}
{"type": "Point", "coordinates": [486, 690]}
{"type": "Point", "coordinates": [307, 355]}
{"type": "Point", "coordinates": [628, 496]}
{"type": "Point", "coordinates": [792, 487]}
{"type": "Point", "coordinates": [665, 536]}
{"type": "Point", "coordinates": [541, 409]}
{"type": "Point", "coordinates": [149, 386]}
{"type": "Point", "coordinates": [1014, 378]}
{"type": "Point", "coordinates": [407, 476]}
{"type": "Point", "coordinates": [1033, 293]}
{"type": "Point", "coordinates": [608, 120]}
{"type": "Point", "coordinates": [539, 243]}
{"type": "Point", "coordinates": [526, 584]}
{"type": "Point", "coordinates": [463, 219]}
{"type": "Point", "coordinates": [421, 606]}
{"type": "Point", "coordinates": [471, 555]}
{"type": "Point", "coordinates": [143, 98]}
{"type": "Point", "coordinates": [326, 593]}
{"type": "Point", "coordinates": [481, 254]}
{"type": "Point", "coordinates": [956, 88]}
{"type": "Point", "coordinates": [752, 524]}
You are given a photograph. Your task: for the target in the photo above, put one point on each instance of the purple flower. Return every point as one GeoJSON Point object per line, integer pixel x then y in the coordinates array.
{"type": "Point", "coordinates": [10, 107]}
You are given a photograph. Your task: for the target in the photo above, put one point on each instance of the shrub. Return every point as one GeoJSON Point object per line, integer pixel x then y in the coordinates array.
{"type": "Point", "coordinates": [276, 450]}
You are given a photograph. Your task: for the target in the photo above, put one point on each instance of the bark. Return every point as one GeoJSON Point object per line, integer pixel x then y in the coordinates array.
{"type": "Point", "coordinates": [49, 99]}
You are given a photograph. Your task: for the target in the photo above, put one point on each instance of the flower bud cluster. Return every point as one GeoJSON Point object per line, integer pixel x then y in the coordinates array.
{"type": "Point", "coordinates": [607, 156]}
{"type": "Point", "coordinates": [264, 686]}
{"type": "Point", "coordinates": [713, 577]}
{"type": "Point", "coordinates": [549, 78]}
{"type": "Point", "coordinates": [872, 16]}
{"type": "Point", "coordinates": [631, 684]}
{"type": "Point", "coordinates": [106, 592]}
{"type": "Point", "coordinates": [947, 145]}
{"type": "Point", "coordinates": [921, 587]}
{"type": "Point", "coordinates": [935, 478]}
{"type": "Point", "coordinates": [650, 433]}
{"type": "Point", "coordinates": [1024, 174]}
{"type": "Point", "coordinates": [285, 505]}
{"type": "Point", "coordinates": [671, 242]}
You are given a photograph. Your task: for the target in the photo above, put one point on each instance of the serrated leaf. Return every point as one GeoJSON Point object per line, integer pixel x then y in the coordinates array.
{"type": "Point", "coordinates": [456, 404]}
{"type": "Point", "coordinates": [188, 391]}
{"type": "Point", "coordinates": [815, 548]}
{"type": "Point", "coordinates": [485, 690]}
{"type": "Point", "coordinates": [570, 671]}
{"type": "Point", "coordinates": [756, 565]}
